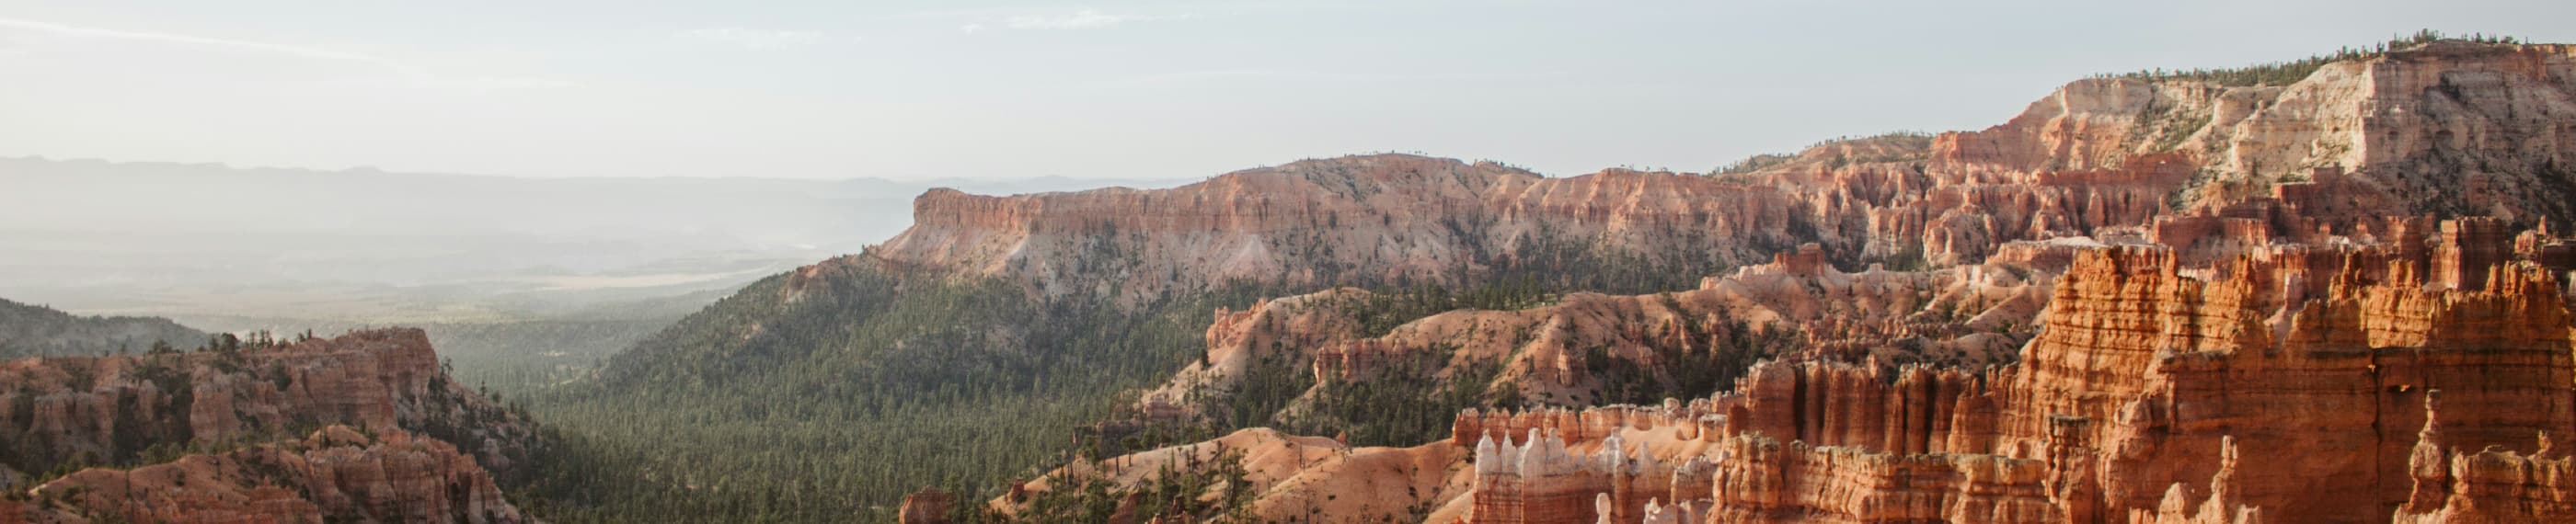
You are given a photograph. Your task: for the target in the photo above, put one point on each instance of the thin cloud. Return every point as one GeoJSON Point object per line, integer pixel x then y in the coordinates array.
{"type": "Point", "coordinates": [979, 20]}
{"type": "Point", "coordinates": [405, 70]}
{"type": "Point", "coordinates": [754, 38]}
{"type": "Point", "coordinates": [1084, 19]}
{"type": "Point", "coordinates": [1217, 75]}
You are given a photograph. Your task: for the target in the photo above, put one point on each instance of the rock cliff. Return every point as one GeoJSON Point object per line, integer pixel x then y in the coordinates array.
{"type": "Point", "coordinates": [2162, 392]}
{"type": "Point", "coordinates": [1260, 475]}
{"type": "Point", "coordinates": [99, 409]}
{"type": "Point", "coordinates": [928, 506]}
{"type": "Point", "coordinates": [1589, 348]}
{"type": "Point", "coordinates": [338, 474]}
{"type": "Point", "coordinates": [2139, 299]}
{"type": "Point", "coordinates": [1363, 219]}
{"type": "Point", "coordinates": [2423, 379]}
{"type": "Point", "coordinates": [2451, 128]}
{"type": "Point", "coordinates": [435, 453]}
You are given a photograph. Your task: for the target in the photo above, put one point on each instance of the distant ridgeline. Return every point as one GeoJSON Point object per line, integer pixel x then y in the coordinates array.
{"type": "Point", "coordinates": [33, 331]}
{"type": "Point", "coordinates": [2285, 73]}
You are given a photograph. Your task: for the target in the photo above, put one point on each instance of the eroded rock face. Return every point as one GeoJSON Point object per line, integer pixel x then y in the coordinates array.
{"type": "Point", "coordinates": [1578, 350]}
{"type": "Point", "coordinates": [62, 410]}
{"type": "Point", "coordinates": [2286, 382]}
{"type": "Point", "coordinates": [928, 506]}
{"type": "Point", "coordinates": [2448, 129]}
{"type": "Point", "coordinates": [337, 474]}
{"type": "Point", "coordinates": [1364, 219]}
{"type": "Point", "coordinates": [2491, 485]}
{"type": "Point", "coordinates": [1284, 478]}
{"type": "Point", "coordinates": [2249, 293]}
{"type": "Point", "coordinates": [2281, 383]}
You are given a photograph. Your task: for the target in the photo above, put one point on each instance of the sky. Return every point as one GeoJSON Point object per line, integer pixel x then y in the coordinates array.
{"type": "Point", "coordinates": [1107, 89]}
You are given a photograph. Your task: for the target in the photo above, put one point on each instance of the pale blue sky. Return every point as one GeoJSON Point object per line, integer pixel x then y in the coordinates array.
{"type": "Point", "coordinates": [1091, 89]}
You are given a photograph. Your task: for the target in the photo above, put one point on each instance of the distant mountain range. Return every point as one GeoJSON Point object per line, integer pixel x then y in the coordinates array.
{"type": "Point", "coordinates": [154, 238]}
{"type": "Point", "coordinates": [519, 279]}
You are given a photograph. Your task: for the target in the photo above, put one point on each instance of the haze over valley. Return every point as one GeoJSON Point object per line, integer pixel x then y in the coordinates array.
{"type": "Point", "coordinates": [1176, 263]}
{"type": "Point", "coordinates": [518, 272]}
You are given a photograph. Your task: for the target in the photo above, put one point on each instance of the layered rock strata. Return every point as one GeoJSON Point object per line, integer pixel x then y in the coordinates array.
{"type": "Point", "coordinates": [109, 408]}
{"type": "Point", "coordinates": [2288, 385]}
{"type": "Point", "coordinates": [2307, 298]}
{"type": "Point", "coordinates": [402, 442]}
{"type": "Point", "coordinates": [1968, 315]}
{"type": "Point", "coordinates": [2449, 129]}
{"type": "Point", "coordinates": [338, 474]}
{"type": "Point", "coordinates": [1285, 479]}
{"type": "Point", "coordinates": [1365, 219]}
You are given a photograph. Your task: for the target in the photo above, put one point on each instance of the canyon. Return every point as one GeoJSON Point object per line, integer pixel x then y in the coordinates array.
{"type": "Point", "coordinates": [2335, 290]}
{"type": "Point", "coordinates": [2142, 300]}
{"type": "Point", "coordinates": [2355, 383]}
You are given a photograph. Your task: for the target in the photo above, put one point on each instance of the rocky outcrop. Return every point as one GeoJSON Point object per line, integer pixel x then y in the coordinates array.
{"type": "Point", "coordinates": [1585, 347]}
{"type": "Point", "coordinates": [2284, 383]}
{"type": "Point", "coordinates": [2304, 288]}
{"type": "Point", "coordinates": [2452, 128]}
{"type": "Point", "coordinates": [2491, 485]}
{"type": "Point", "coordinates": [928, 506]}
{"type": "Point", "coordinates": [338, 474]}
{"type": "Point", "coordinates": [93, 410]}
{"type": "Point", "coordinates": [1539, 480]}
{"type": "Point", "coordinates": [1264, 476]}
{"type": "Point", "coordinates": [1365, 219]}
{"type": "Point", "coordinates": [2448, 129]}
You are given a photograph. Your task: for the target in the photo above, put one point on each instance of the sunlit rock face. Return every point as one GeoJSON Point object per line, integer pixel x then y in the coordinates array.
{"type": "Point", "coordinates": [2343, 382]}
{"type": "Point", "coordinates": [1376, 218]}
{"type": "Point", "coordinates": [337, 474]}
{"type": "Point", "coordinates": [1971, 314]}
{"type": "Point", "coordinates": [389, 451]}
{"type": "Point", "coordinates": [2338, 300]}
{"type": "Point", "coordinates": [2157, 392]}
{"type": "Point", "coordinates": [65, 407]}
{"type": "Point", "coordinates": [2447, 129]}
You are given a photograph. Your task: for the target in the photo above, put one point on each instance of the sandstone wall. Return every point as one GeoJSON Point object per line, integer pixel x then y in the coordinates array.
{"type": "Point", "coordinates": [337, 474]}
{"type": "Point", "coordinates": [2159, 391]}
{"type": "Point", "coordinates": [55, 410]}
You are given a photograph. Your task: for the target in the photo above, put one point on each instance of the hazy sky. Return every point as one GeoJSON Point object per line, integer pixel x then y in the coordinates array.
{"type": "Point", "coordinates": [1093, 89]}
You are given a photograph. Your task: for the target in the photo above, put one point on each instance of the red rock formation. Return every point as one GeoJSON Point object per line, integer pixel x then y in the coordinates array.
{"type": "Point", "coordinates": [928, 506]}
{"type": "Point", "coordinates": [57, 409]}
{"type": "Point", "coordinates": [2492, 485]}
{"type": "Point", "coordinates": [1361, 219]}
{"type": "Point", "coordinates": [2306, 298]}
{"type": "Point", "coordinates": [2157, 392]}
{"type": "Point", "coordinates": [1966, 315]}
{"type": "Point", "coordinates": [2452, 128]}
{"type": "Point", "coordinates": [1292, 479]}
{"type": "Point", "coordinates": [1913, 410]}
{"type": "Point", "coordinates": [2221, 507]}
{"type": "Point", "coordinates": [1762, 480]}
{"type": "Point", "coordinates": [2287, 382]}
{"type": "Point", "coordinates": [1540, 481]}
{"type": "Point", "coordinates": [337, 474]}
